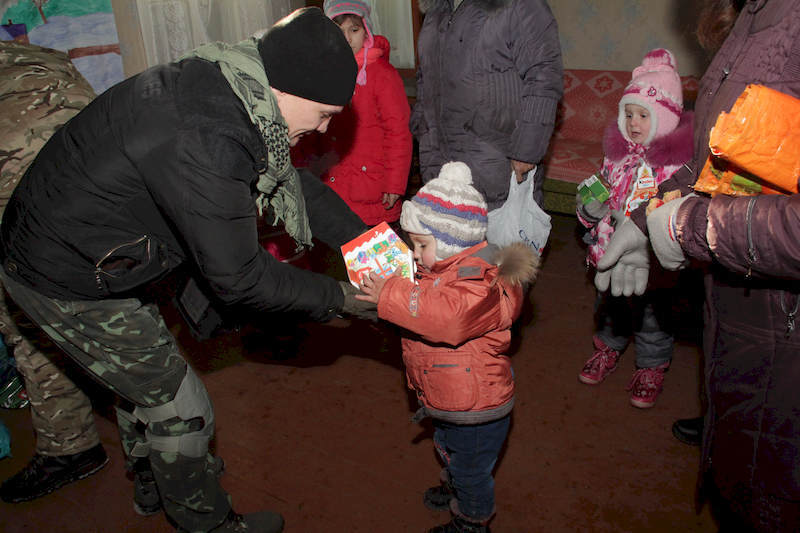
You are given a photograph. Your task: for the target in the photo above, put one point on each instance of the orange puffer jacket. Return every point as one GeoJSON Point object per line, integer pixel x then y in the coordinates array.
{"type": "Point", "coordinates": [459, 316]}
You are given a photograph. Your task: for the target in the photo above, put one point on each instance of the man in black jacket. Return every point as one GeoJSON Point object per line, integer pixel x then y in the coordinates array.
{"type": "Point", "coordinates": [173, 166]}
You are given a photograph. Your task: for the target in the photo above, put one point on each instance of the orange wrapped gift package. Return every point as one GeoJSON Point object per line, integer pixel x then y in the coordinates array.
{"type": "Point", "coordinates": [755, 147]}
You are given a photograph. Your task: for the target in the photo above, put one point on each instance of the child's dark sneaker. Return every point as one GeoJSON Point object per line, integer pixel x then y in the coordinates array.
{"type": "Point", "coordinates": [438, 498]}
{"type": "Point", "coordinates": [461, 525]}
{"type": "Point", "coordinates": [602, 363]}
{"type": "Point", "coordinates": [646, 385]}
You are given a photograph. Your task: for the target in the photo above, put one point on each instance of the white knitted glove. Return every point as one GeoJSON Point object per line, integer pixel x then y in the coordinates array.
{"type": "Point", "coordinates": [661, 227]}
{"type": "Point", "coordinates": [626, 263]}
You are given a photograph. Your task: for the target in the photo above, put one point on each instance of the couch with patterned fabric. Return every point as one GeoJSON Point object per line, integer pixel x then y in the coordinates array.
{"type": "Point", "coordinates": [590, 102]}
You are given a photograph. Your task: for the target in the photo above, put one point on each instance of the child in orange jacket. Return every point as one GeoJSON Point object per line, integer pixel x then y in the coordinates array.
{"type": "Point", "coordinates": [458, 317]}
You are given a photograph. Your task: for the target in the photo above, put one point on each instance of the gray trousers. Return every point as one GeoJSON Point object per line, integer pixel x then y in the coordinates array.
{"type": "Point", "coordinates": [125, 345]}
{"type": "Point", "coordinates": [645, 318]}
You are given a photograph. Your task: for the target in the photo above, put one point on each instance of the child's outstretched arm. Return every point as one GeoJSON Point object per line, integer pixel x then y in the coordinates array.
{"type": "Point", "coordinates": [371, 286]}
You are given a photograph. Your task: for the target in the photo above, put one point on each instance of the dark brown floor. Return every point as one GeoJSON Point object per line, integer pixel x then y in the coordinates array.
{"type": "Point", "coordinates": [325, 437]}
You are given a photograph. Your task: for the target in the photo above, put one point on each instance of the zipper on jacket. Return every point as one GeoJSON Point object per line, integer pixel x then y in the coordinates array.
{"type": "Point", "coordinates": [98, 269]}
{"type": "Point", "coordinates": [789, 314]}
{"type": "Point", "coordinates": [752, 257]}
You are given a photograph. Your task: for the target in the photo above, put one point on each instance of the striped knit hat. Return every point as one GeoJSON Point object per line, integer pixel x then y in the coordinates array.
{"type": "Point", "coordinates": [450, 209]}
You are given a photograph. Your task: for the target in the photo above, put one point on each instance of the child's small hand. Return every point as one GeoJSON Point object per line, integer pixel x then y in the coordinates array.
{"type": "Point", "coordinates": [389, 199]}
{"type": "Point", "coordinates": [371, 286]}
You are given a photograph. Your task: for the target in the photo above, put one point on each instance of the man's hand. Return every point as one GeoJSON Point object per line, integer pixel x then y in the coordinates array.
{"type": "Point", "coordinates": [389, 199]}
{"type": "Point", "coordinates": [626, 263]}
{"type": "Point", "coordinates": [521, 169]}
{"type": "Point", "coordinates": [371, 286]}
{"type": "Point", "coordinates": [355, 306]}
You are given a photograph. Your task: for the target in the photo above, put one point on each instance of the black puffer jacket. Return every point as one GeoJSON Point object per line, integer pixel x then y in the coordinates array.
{"type": "Point", "coordinates": [160, 169]}
{"type": "Point", "coordinates": [489, 80]}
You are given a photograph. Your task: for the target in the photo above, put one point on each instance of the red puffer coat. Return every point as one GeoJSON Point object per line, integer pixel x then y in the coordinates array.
{"type": "Point", "coordinates": [369, 143]}
{"type": "Point", "coordinates": [460, 317]}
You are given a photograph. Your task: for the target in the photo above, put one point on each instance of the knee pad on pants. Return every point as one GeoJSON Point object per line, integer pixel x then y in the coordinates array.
{"type": "Point", "coordinates": [190, 402]}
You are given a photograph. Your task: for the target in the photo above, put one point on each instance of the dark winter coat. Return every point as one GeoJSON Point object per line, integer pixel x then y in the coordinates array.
{"type": "Point", "coordinates": [159, 170]}
{"type": "Point", "coordinates": [752, 444]}
{"type": "Point", "coordinates": [488, 82]}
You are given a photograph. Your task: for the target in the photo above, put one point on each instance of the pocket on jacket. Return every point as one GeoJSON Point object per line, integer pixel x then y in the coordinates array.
{"type": "Point", "coordinates": [131, 264]}
{"type": "Point", "coordinates": [364, 180]}
{"type": "Point", "coordinates": [501, 96]}
{"type": "Point", "coordinates": [449, 386]}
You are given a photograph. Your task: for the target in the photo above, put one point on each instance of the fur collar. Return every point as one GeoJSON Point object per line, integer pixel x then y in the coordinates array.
{"type": "Point", "coordinates": [430, 5]}
{"type": "Point", "coordinates": [672, 149]}
{"type": "Point", "coordinates": [517, 263]}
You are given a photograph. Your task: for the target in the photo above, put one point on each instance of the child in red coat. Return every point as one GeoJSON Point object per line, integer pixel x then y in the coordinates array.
{"type": "Point", "coordinates": [365, 156]}
{"type": "Point", "coordinates": [458, 317]}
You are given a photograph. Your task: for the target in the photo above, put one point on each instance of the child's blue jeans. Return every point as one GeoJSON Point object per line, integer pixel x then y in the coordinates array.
{"type": "Point", "coordinates": [469, 454]}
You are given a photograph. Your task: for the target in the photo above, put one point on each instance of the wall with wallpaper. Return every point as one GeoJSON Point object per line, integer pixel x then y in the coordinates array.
{"type": "Point", "coordinates": [616, 34]}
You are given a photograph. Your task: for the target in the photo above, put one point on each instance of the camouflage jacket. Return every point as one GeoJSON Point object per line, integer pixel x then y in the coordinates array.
{"type": "Point", "coordinates": [40, 90]}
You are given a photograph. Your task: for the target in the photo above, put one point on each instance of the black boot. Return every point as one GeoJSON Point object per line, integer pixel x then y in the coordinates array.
{"type": "Point", "coordinates": [461, 525]}
{"type": "Point", "coordinates": [146, 499]}
{"type": "Point", "coordinates": [261, 522]}
{"type": "Point", "coordinates": [438, 498]}
{"type": "Point", "coordinates": [44, 474]}
{"type": "Point", "coordinates": [689, 430]}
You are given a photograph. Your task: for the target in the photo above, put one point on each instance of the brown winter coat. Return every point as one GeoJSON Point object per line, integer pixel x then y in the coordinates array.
{"type": "Point", "coordinates": [752, 444]}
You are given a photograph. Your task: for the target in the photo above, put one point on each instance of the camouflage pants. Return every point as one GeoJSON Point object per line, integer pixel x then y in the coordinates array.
{"type": "Point", "coordinates": [61, 413]}
{"type": "Point", "coordinates": [126, 345]}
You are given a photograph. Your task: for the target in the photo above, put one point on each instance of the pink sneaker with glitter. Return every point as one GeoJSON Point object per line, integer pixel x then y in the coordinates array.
{"type": "Point", "coordinates": [646, 385]}
{"type": "Point", "coordinates": [602, 362]}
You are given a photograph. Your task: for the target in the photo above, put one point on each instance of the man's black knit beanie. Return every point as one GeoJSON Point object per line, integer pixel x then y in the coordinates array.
{"type": "Point", "coordinates": [306, 54]}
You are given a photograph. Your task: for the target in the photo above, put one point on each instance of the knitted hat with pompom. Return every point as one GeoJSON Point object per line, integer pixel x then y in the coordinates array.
{"type": "Point", "coordinates": [656, 86]}
{"type": "Point", "coordinates": [450, 209]}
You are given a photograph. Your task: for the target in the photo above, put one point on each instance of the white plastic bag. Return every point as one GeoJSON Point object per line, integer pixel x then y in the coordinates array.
{"type": "Point", "coordinates": [520, 218]}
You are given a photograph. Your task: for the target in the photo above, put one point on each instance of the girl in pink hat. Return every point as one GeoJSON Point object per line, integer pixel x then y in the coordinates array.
{"type": "Point", "coordinates": [650, 140]}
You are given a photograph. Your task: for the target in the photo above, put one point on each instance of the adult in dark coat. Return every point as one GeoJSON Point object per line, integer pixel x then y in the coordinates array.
{"type": "Point", "coordinates": [488, 83]}
{"type": "Point", "coordinates": [172, 166]}
{"type": "Point", "coordinates": [751, 249]}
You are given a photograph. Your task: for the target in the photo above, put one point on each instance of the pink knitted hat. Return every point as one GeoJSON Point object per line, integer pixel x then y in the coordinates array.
{"type": "Point", "coordinates": [656, 86]}
{"type": "Point", "coordinates": [334, 8]}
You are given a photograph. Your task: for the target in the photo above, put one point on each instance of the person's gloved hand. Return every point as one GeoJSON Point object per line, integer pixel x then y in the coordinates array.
{"type": "Point", "coordinates": [357, 308]}
{"type": "Point", "coordinates": [661, 227]}
{"type": "Point", "coordinates": [593, 212]}
{"type": "Point", "coordinates": [626, 263]}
